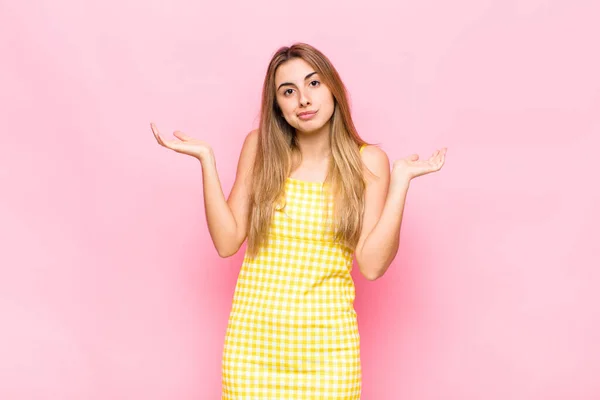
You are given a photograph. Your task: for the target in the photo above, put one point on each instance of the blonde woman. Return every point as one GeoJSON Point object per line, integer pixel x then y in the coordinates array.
{"type": "Point", "coordinates": [309, 195]}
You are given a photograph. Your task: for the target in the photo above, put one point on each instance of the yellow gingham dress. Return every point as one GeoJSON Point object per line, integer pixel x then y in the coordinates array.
{"type": "Point", "coordinates": [292, 331]}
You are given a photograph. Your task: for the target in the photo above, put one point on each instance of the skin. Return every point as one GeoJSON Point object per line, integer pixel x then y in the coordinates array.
{"type": "Point", "coordinates": [299, 89]}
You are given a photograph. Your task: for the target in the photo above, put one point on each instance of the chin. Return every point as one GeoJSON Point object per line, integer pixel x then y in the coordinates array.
{"type": "Point", "coordinates": [310, 128]}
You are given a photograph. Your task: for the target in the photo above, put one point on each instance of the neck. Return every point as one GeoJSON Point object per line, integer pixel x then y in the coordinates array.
{"type": "Point", "coordinates": [314, 145]}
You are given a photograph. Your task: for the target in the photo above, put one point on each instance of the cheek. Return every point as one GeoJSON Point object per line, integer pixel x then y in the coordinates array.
{"type": "Point", "coordinates": [284, 107]}
{"type": "Point", "coordinates": [328, 103]}
{"type": "Point", "coordinates": [326, 99]}
{"type": "Point", "coordinates": [288, 112]}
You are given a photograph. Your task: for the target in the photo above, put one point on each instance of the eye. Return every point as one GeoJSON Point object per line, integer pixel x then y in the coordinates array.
{"type": "Point", "coordinates": [315, 83]}
{"type": "Point", "coordinates": [287, 92]}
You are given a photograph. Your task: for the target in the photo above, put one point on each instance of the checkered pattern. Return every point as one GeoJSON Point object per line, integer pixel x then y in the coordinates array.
{"type": "Point", "coordinates": [292, 330]}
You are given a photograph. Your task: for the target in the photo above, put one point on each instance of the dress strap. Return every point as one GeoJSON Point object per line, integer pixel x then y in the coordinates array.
{"type": "Point", "coordinates": [362, 147]}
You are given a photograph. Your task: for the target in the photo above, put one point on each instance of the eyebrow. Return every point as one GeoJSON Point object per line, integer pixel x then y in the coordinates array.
{"type": "Point", "coordinates": [291, 84]}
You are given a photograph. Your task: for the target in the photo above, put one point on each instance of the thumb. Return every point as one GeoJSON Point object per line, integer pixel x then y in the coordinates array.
{"type": "Point", "coordinates": [182, 136]}
{"type": "Point", "coordinates": [413, 157]}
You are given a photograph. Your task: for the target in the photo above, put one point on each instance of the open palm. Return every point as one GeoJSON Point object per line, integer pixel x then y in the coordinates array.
{"type": "Point", "coordinates": [185, 145]}
{"type": "Point", "coordinates": [412, 167]}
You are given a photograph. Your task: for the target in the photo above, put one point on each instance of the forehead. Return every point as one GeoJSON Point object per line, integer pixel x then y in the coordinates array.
{"type": "Point", "coordinates": [294, 70]}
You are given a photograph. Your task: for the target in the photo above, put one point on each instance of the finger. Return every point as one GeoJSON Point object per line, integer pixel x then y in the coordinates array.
{"type": "Point", "coordinates": [443, 152]}
{"type": "Point", "coordinates": [182, 136]}
{"type": "Point", "coordinates": [156, 134]}
{"type": "Point", "coordinates": [169, 144]}
{"type": "Point", "coordinates": [436, 159]}
{"type": "Point", "coordinates": [440, 163]}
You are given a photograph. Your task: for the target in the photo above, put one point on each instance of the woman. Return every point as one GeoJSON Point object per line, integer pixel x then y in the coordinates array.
{"type": "Point", "coordinates": [309, 195]}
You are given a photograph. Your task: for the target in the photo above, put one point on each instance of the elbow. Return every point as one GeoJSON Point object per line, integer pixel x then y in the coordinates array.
{"type": "Point", "coordinates": [225, 252]}
{"type": "Point", "coordinates": [371, 266]}
{"type": "Point", "coordinates": [371, 276]}
{"type": "Point", "coordinates": [372, 271]}
{"type": "Point", "coordinates": [375, 268]}
{"type": "Point", "coordinates": [228, 247]}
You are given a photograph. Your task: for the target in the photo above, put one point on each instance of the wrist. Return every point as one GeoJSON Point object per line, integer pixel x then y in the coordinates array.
{"type": "Point", "coordinates": [206, 156]}
{"type": "Point", "coordinates": [400, 177]}
{"type": "Point", "coordinates": [399, 186]}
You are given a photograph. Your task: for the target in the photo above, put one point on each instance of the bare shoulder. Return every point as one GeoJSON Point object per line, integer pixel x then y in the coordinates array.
{"type": "Point", "coordinates": [376, 160]}
{"type": "Point", "coordinates": [251, 139]}
{"type": "Point", "coordinates": [247, 154]}
{"type": "Point", "coordinates": [253, 135]}
{"type": "Point", "coordinates": [249, 147]}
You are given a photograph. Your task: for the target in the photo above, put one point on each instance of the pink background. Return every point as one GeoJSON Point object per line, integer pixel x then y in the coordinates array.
{"type": "Point", "coordinates": [110, 287]}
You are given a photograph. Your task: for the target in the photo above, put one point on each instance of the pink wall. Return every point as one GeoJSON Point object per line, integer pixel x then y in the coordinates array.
{"type": "Point", "coordinates": [110, 287]}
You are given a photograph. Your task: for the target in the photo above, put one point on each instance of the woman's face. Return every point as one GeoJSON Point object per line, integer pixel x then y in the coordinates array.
{"type": "Point", "coordinates": [305, 102]}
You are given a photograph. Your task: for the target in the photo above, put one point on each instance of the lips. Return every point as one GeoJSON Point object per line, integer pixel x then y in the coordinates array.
{"type": "Point", "coordinates": [307, 113]}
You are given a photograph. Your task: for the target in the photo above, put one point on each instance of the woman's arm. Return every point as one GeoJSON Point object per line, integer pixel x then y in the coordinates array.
{"type": "Point", "coordinates": [378, 243]}
{"type": "Point", "coordinates": [384, 206]}
{"type": "Point", "coordinates": [227, 220]}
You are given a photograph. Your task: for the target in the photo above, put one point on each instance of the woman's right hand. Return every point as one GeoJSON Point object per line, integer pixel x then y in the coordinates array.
{"type": "Point", "coordinates": [185, 145]}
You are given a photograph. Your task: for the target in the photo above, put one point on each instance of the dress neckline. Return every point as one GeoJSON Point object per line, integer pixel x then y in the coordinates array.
{"type": "Point", "coordinates": [301, 181]}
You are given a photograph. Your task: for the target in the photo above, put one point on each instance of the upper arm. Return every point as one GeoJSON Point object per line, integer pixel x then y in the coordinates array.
{"type": "Point", "coordinates": [377, 176]}
{"type": "Point", "coordinates": [239, 198]}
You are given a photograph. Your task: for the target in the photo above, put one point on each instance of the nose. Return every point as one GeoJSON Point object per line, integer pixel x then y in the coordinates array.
{"type": "Point", "coordinates": [304, 100]}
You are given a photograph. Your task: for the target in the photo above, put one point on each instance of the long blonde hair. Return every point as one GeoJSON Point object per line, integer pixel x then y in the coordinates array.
{"type": "Point", "coordinates": [277, 142]}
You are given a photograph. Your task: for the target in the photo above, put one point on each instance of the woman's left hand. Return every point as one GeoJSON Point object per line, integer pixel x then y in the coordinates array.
{"type": "Point", "coordinates": [411, 167]}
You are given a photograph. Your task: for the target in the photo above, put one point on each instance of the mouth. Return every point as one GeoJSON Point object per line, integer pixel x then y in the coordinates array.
{"type": "Point", "coordinates": [307, 115]}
